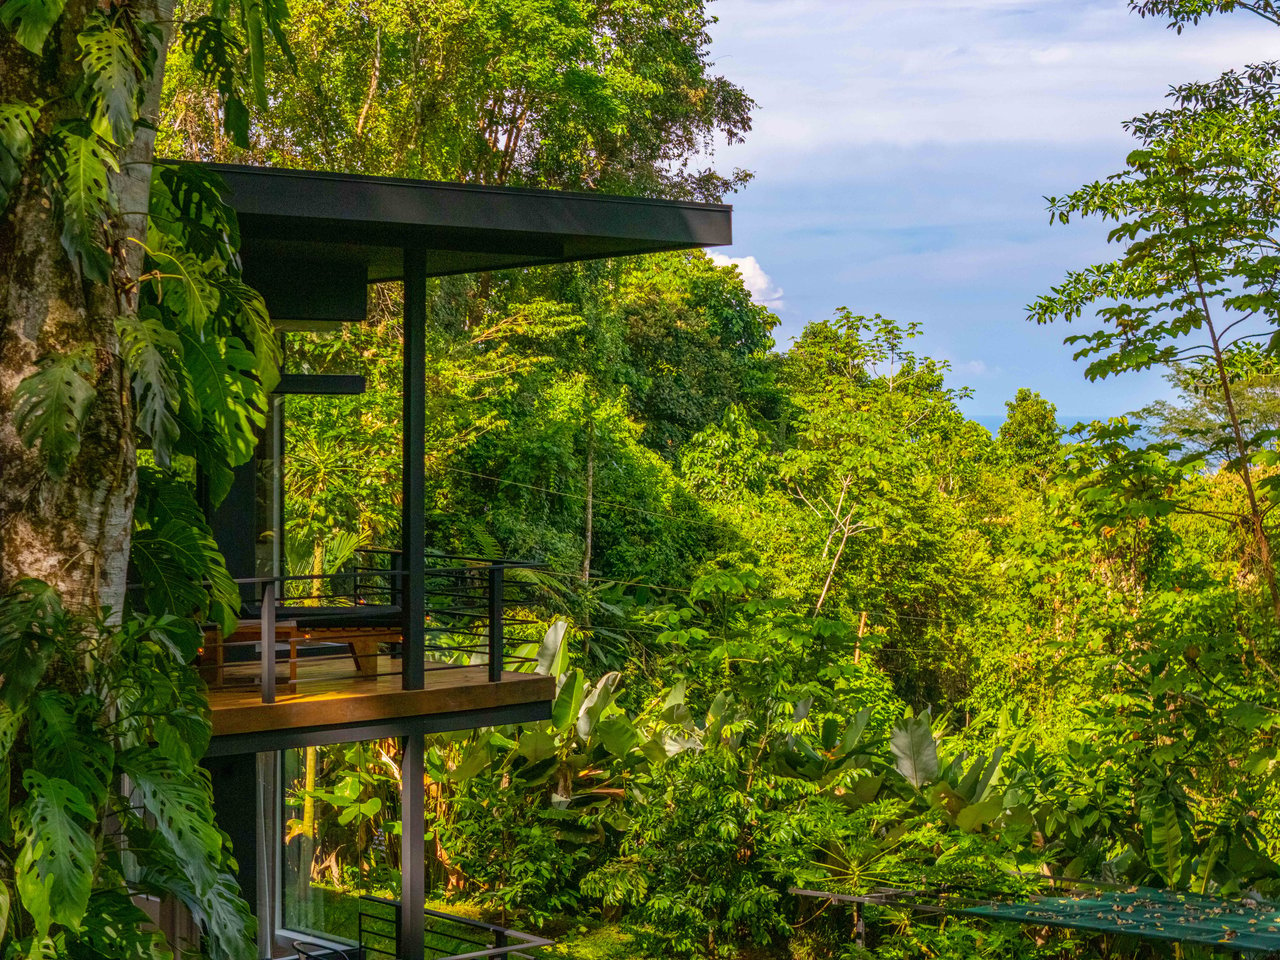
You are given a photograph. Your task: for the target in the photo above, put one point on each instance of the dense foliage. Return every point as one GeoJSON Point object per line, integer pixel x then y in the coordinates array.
{"type": "Point", "coordinates": [810, 626]}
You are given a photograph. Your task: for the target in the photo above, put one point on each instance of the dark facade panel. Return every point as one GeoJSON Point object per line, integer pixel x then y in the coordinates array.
{"type": "Point", "coordinates": [317, 736]}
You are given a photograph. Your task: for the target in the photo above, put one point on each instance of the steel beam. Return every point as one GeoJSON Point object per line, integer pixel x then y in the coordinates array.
{"type": "Point", "coordinates": [413, 470]}
{"type": "Point", "coordinates": [413, 866]}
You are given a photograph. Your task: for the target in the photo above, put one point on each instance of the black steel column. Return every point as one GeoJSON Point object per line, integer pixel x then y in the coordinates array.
{"type": "Point", "coordinates": [413, 865]}
{"type": "Point", "coordinates": [413, 468]}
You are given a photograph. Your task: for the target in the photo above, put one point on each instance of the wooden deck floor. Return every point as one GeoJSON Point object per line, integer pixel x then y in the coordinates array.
{"type": "Point", "coordinates": [332, 693]}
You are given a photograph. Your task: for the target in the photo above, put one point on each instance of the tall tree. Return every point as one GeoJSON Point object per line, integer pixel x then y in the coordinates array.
{"type": "Point", "coordinates": [567, 93]}
{"type": "Point", "coordinates": [80, 87]}
{"type": "Point", "coordinates": [1197, 211]}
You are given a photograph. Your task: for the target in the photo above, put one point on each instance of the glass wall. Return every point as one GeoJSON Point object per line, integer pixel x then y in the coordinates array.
{"type": "Point", "coordinates": [341, 835]}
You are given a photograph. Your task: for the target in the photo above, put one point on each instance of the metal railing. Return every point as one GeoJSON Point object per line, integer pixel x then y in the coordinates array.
{"type": "Point", "coordinates": [448, 936]}
{"type": "Point", "coordinates": [302, 623]}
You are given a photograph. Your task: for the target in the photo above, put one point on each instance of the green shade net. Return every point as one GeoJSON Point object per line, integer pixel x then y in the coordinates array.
{"type": "Point", "coordinates": [1246, 926]}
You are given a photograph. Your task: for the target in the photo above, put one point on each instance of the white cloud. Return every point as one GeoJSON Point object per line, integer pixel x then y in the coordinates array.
{"type": "Point", "coordinates": [758, 283]}
{"type": "Point", "coordinates": [912, 72]}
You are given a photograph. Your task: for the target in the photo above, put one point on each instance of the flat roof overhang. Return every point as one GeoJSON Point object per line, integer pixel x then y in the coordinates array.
{"type": "Point", "coordinates": [315, 218]}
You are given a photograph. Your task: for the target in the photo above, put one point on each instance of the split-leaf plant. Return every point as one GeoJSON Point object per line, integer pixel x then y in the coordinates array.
{"type": "Point", "coordinates": [124, 325]}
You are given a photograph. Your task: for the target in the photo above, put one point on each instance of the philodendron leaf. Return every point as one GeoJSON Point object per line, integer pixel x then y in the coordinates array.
{"type": "Point", "coordinates": [150, 351]}
{"type": "Point", "coordinates": [66, 744]}
{"type": "Point", "coordinates": [54, 869]}
{"type": "Point", "coordinates": [31, 20]}
{"type": "Point", "coordinates": [113, 70]}
{"type": "Point", "coordinates": [17, 129]}
{"type": "Point", "coordinates": [51, 407]}
{"type": "Point", "coordinates": [914, 748]}
{"type": "Point", "coordinates": [76, 171]}
{"type": "Point", "coordinates": [171, 564]}
{"type": "Point", "coordinates": [181, 808]}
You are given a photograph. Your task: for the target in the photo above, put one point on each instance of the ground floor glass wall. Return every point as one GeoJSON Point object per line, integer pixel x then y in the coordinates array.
{"type": "Point", "coordinates": [341, 835]}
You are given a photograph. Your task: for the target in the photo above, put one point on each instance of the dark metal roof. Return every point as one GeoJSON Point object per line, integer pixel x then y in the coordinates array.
{"type": "Point", "coordinates": [305, 220]}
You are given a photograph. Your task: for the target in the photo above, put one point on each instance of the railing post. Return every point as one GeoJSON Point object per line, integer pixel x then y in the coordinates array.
{"type": "Point", "coordinates": [495, 623]}
{"type": "Point", "coordinates": [499, 939]}
{"type": "Point", "coordinates": [268, 644]}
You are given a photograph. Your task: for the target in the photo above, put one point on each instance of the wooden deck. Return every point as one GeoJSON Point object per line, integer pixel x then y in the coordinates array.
{"type": "Point", "coordinates": [338, 696]}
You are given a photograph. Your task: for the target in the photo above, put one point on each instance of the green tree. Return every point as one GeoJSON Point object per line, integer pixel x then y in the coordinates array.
{"type": "Point", "coordinates": [1179, 13]}
{"type": "Point", "coordinates": [81, 375]}
{"type": "Point", "coordinates": [1030, 435]}
{"type": "Point", "coordinates": [1196, 210]}
{"type": "Point", "coordinates": [1195, 417]}
{"type": "Point", "coordinates": [568, 93]}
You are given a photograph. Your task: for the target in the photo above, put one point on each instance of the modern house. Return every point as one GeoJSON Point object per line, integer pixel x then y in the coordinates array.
{"type": "Point", "coordinates": [375, 656]}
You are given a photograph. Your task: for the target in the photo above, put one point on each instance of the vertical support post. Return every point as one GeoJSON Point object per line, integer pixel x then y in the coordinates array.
{"type": "Point", "coordinates": [413, 469]}
{"type": "Point", "coordinates": [495, 623]}
{"type": "Point", "coordinates": [267, 643]}
{"type": "Point", "coordinates": [269, 834]}
{"type": "Point", "coordinates": [277, 486]}
{"type": "Point", "coordinates": [413, 863]}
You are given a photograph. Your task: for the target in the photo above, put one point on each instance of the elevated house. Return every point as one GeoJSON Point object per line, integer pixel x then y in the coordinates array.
{"type": "Point", "coordinates": [373, 653]}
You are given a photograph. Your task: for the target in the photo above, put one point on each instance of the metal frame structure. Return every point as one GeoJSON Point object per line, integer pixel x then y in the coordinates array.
{"type": "Point", "coordinates": [311, 243]}
{"type": "Point", "coordinates": [1236, 926]}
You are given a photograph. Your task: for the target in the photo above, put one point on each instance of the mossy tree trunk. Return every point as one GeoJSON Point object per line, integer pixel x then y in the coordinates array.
{"type": "Point", "coordinates": [72, 532]}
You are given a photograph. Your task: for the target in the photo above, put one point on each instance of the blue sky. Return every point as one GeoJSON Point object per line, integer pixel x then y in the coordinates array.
{"type": "Point", "coordinates": [902, 151]}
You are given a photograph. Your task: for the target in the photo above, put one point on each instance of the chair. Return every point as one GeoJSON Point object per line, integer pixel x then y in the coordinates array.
{"type": "Point", "coordinates": [316, 951]}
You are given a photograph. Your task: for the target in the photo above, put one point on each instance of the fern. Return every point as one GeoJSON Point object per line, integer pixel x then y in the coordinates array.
{"type": "Point", "coordinates": [17, 128]}
{"type": "Point", "coordinates": [51, 407]}
{"type": "Point", "coordinates": [31, 20]}
{"type": "Point", "coordinates": [76, 175]}
{"type": "Point", "coordinates": [114, 72]}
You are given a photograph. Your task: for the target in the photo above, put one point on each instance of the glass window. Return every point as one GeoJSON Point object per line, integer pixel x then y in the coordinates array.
{"type": "Point", "coordinates": [341, 836]}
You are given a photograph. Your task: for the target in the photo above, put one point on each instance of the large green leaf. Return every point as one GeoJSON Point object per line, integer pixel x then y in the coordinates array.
{"type": "Point", "coordinates": [150, 351]}
{"type": "Point", "coordinates": [113, 70]}
{"type": "Point", "coordinates": [180, 805]}
{"type": "Point", "coordinates": [1163, 837]}
{"type": "Point", "coordinates": [553, 653]}
{"type": "Point", "coordinates": [164, 498]}
{"type": "Point", "coordinates": [914, 749]}
{"type": "Point", "coordinates": [568, 702]}
{"type": "Point", "coordinates": [54, 869]}
{"type": "Point", "coordinates": [171, 564]}
{"type": "Point", "coordinates": [31, 622]}
{"type": "Point", "coordinates": [31, 20]}
{"type": "Point", "coordinates": [115, 926]}
{"type": "Point", "coordinates": [66, 744]}
{"type": "Point", "coordinates": [17, 130]}
{"type": "Point", "coordinates": [228, 393]}
{"type": "Point", "coordinates": [76, 173]}
{"type": "Point", "coordinates": [596, 702]}
{"type": "Point", "coordinates": [51, 408]}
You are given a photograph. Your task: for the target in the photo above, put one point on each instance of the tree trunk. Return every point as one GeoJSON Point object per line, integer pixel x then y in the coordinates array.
{"type": "Point", "coordinates": [74, 532]}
